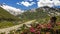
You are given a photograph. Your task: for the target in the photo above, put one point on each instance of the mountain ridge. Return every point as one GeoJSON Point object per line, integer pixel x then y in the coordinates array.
{"type": "Point", "coordinates": [4, 15]}
{"type": "Point", "coordinates": [12, 10]}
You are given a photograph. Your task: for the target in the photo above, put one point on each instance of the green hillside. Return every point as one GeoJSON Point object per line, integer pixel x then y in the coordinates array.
{"type": "Point", "coordinates": [40, 14]}
{"type": "Point", "coordinates": [4, 15]}
{"type": "Point", "coordinates": [7, 19]}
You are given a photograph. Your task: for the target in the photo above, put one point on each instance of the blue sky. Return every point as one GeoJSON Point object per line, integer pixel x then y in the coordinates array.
{"type": "Point", "coordinates": [13, 4]}
{"type": "Point", "coordinates": [29, 4]}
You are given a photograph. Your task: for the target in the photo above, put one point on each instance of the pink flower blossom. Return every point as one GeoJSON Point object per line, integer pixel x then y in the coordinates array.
{"type": "Point", "coordinates": [49, 26]}
{"type": "Point", "coordinates": [32, 29]}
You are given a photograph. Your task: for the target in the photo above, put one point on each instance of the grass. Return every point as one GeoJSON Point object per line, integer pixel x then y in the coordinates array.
{"type": "Point", "coordinates": [6, 24]}
{"type": "Point", "coordinates": [4, 15]}
{"type": "Point", "coordinates": [57, 27]}
{"type": "Point", "coordinates": [7, 19]}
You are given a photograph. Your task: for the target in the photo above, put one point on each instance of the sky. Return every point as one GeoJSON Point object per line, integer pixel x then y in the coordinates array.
{"type": "Point", "coordinates": [31, 4]}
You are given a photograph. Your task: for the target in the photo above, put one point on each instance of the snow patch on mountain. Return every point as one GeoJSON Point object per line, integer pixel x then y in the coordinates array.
{"type": "Point", "coordinates": [12, 10]}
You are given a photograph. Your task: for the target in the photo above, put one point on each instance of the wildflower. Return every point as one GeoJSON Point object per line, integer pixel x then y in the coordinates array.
{"type": "Point", "coordinates": [38, 32]}
{"type": "Point", "coordinates": [38, 26]}
{"type": "Point", "coordinates": [32, 29]}
{"type": "Point", "coordinates": [49, 26]}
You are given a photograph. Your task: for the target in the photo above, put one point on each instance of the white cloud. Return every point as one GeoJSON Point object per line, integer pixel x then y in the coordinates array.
{"type": "Point", "coordinates": [27, 4]}
{"type": "Point", "coordinates": [30, 0]}
{"type": "Point", "coordinates": [12, 10]}
{"type": "Point", "coordinates": [18, 3]}
{"type": "Point", "coordinates": [49, 3]}
{"type": "Point", "coordinates": [4, 3]}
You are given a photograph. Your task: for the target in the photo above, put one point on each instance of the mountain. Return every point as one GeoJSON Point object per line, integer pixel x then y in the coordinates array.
{"type": "Point", "coordinates": [12, 10]}
{"type": "Point", "coordinates": [4, 15]}
{"type": "Point", "coordinates": [50, 10]}
{"type": "Point", "coordinates": [42, 14]}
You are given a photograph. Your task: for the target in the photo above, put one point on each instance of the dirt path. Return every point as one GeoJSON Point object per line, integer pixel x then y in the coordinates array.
{"type": "Point", "coordinates": [14, 27]}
